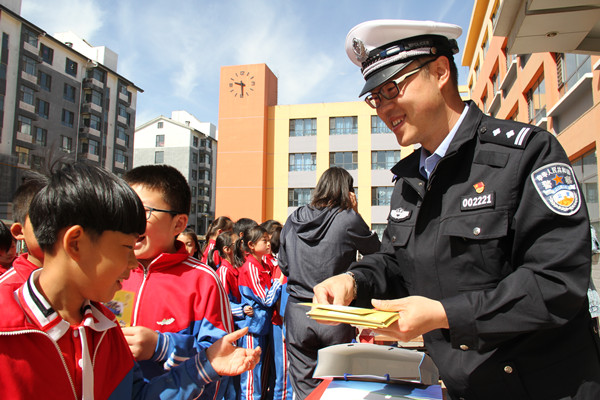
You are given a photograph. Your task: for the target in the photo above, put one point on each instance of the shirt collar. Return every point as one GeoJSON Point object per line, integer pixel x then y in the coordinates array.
{"type": "Point", "coordinates": [428, 161]}
{"type": "Point", "coordinates": [41, 313]}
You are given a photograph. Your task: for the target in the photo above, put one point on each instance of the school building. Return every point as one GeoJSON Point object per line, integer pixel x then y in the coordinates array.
{"type": "Point", "coordinates": [538, 62]}
{"type": "Point", "coordinates": [270, 156]}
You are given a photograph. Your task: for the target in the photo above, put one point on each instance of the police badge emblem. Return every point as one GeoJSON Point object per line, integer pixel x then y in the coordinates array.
{"type": "Point", "coordinates": [399, 214]}
{"type": "Point", "coordinates": [359, 50]}
{"type": "Point", "coordinates": [557, 186]}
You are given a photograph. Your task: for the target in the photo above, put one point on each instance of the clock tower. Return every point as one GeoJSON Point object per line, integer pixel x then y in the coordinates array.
{"type": "Point", "coordinates": [245, 93]}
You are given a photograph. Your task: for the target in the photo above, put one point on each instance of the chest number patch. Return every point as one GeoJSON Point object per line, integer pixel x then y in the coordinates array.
{"type": "Point", "coordinates": [557, 186]}
{"type": "Point", "coordinates": [487, 200]}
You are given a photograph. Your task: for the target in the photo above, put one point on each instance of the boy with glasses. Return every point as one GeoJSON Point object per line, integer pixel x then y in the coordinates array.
{"type": "Point", "coordinates": [180, 305]}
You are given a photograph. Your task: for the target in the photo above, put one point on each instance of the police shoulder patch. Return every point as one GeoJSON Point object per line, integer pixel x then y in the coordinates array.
{"type": "Point", "coordinates": [557, 186]}
{"type": "Point", "coordinates": [511, 135]}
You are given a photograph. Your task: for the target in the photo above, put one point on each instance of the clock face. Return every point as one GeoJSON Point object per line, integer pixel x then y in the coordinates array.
{"type": "Point", "coordinates": [242, 84]}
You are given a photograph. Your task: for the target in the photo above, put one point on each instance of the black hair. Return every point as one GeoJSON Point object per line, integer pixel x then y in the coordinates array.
{"type": "Point", "coordinates": [6, 238]}
{"type": "Point", "coordinates": [275, 240]}
{"type": "Point", "coordinates": [81, 194]}
{"type": "Point", "coordinates": [271, 225]}
{"type": "Point", "coordinates": [31, 184]}
{"type": "Point", "coordinates": [190, 233]}
{"type": "Point", "coordinates": [333, 189]}
{"type": "Point", "coordinates": [166, 179]}
{"type": "Point", "coordinates": [221, 241]}
{"type": "Point", "coordinates": [242, 224]}
{"type": "Point", "coordinates": [223, 223]}
{"type": "Point", "coordinates": [242, 247]}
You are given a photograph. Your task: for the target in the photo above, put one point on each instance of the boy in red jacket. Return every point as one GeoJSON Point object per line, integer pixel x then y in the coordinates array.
{"type": "Point", "coordinates": [57, 340]}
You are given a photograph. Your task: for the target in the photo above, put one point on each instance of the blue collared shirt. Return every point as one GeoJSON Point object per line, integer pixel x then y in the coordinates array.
{"type": "Point", "coordinates": [428, 161]}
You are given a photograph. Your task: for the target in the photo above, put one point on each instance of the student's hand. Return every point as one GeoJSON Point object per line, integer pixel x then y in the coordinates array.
{"type": "Point", "coordinates": [228, 359]}
{"type": "Point", "coordinates": [338, 290]}
{"type": "Point", "coordinates": [141, 341]}
{"type": "Point", "coordinates": [249, 311]}
{"type": "Point", "coordinates": [354, 202]}
{"type": "Point", "coordinates": [418, 315]}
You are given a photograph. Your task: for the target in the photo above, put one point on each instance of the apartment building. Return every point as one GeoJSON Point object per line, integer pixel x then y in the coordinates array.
{"type": "Point", "coordinates": [557, 90]}
{"type": "Point", "coordinates": [271, 156]}
{"type": "Point", "coordinates": [61, 99]}
{"type": "Point", "coordinates": [189, 145]}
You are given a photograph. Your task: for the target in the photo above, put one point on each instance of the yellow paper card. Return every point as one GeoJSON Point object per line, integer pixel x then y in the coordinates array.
{"type": "Point", "coordinates": [122, 306]}
{"type": "Point", "coordinates": [366, 317]}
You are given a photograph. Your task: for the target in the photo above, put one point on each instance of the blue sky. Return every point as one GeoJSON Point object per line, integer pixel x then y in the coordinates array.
{"type": "Point", "coordinates": [174, 49]}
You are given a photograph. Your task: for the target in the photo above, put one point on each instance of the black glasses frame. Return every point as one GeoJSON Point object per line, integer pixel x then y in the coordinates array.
{"type": "Point", "coordinates": [150, 210]}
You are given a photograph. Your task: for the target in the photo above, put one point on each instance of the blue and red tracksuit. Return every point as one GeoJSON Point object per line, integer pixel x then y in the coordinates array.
{"type": "Point", "coordinates": [42, 356]}
{"type": "Point", "coordinates": [19, 273]}
{"type": "Point", "coordinates": [185, 302]}
{"type": "Point", "coordinates": [259, 291]}
{"type": "Point", "coordinates": [282, 387]}
{"type": "Point", "coordinates": [216, 255]}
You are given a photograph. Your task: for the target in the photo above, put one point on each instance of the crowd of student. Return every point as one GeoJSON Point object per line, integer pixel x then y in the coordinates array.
{"type": "Point", "coordinates": [87, 234]}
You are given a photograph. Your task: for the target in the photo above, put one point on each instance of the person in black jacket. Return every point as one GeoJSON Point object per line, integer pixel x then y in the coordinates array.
{"type": "Point", "coordinates": [487, 248]}
{"type": "Point", "coordinates": [318, 241]}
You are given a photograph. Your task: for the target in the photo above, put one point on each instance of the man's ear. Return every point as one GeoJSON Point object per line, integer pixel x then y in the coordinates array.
{"type": "Point", "coordinates": [181, 221]}
{"type": "Point", "coordinates": [16, 229]}
{"type": "Point", "coordinates": [441, 70]}
{"type": "Point", "coordinates": [72, 241]}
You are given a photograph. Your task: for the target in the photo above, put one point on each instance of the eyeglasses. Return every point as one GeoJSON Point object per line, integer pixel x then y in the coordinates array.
{"type": "Point", "coordinates": [149, 211]}
{"type": "Point", "coordinates": [391, 89]}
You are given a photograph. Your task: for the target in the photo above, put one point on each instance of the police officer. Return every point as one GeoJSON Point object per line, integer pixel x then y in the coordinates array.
{"type": "Point", "coordinates": [487, 249]}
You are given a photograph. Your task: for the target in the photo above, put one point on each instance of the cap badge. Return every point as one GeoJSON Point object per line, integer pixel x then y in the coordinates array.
{"type": "Point", "coordinates": [479, 187]}
{"type": "Point", "coordinates": [359, 50]}
{"type": "Point", "coordinates": [399, 214]}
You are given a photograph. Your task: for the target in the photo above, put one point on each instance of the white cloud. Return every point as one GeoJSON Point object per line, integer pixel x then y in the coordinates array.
{"type": "Point", "coordinates": [83, 17]}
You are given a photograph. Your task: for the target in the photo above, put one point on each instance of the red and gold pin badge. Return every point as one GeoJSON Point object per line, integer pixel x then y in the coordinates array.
{"type": "Point", "coordinates": [479, 187]}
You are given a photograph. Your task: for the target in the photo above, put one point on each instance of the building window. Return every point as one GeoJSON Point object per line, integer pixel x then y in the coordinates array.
{"type": "Point", "coordinates": [195, 141]}
{"type": "Point", "coordinates": [384, 159]}
{"type": "Point", "coordinates": [524, 58]}
{"type": "Point", "coordinates": [303, 162]}
{"type": "Point", "coordinates": [24, 125]}
{"type": "Point", "coordinates": [121, 134]}
{"type": "Point", "coordinates": [30, 37]}
{"type": "Point", "coordinates": [68, 118]}
{"type": "Point", "coordinates": [484, 101]}
{"type": "Point", "coordinates": [378, 126]}
{"type": "Point", "coordinates": [570, 69]}
{"type": "Point", "coordinates": [90, 146]}
{"type": "Point", "coordinates": [42, 108]}
{"type": "Point", "coordinates": [299, 197]}
{"type": "Point", "coordinates": [343, 125]}
{"type": "Point", "coordinates": [94, 96]}
{"type": "Point", "coordinates": [29, 65]}
{"type": "Point", "coordinates": [159, 157]}
{"type": "Point", "coordinates": [586, 171]}
{"type": "Point", "coordinates": [194, 175]}
{"type": "Point", "coordinates": [66, 143]}
{"type": "Point", "coordinates": [379, 229]}
{"type": "Point", "coordinates": [40, 137]}
{"type": "Point", "coordinates": [37, 162]}
{"type": "Point", "coordinates": [27, 94]}
{"type": "Point", "coordinates": [69, 93]}
{"type": "Point", "coordinates": [160, 125]}
{"type": "Point", "coordinates": [123, 113]}
{"type": "Point", "coordinates": [71, 67]}
{"type": "Point", "coordinates": [194, 158]}
{"type": "Point", "coordinates": [120, 157]}
{"type": "Point", "coordinates": [92, 121]}
{"type": "Point", "coordinates": [45, 81]}
{"type": "Point", "coordinates": [496, 81]}
{"type": "Point", "coordinates": [22, 155]}
{"type": "Point", "coordinates": [536, 101]}
{"type": "Point", "coordinates": [97, 74]}
{"type": "Point", "coordinates": [303, 127]}
{"type": "Point", "coordinates": [485, 46]}
{"type": "Point", "coordinates": [46, 53]}
{"type": "Point", "coordinates": [494, 16]}
{"type": "Point", "coordinates": [381, 196]}
{"type": "Point", "coordinates": [344, 159]}
{"type": "Point", "coordinates": [160, 140]}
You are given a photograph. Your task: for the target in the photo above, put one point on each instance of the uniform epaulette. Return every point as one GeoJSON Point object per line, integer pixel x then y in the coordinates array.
{"type": "Point", "coordinates": [510, 134]}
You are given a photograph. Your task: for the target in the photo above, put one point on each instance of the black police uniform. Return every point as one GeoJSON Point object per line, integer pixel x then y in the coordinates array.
{"type": "Point", "coordinates": [500, 235]}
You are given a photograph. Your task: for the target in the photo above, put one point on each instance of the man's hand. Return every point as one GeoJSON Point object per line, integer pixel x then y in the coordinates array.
{"type": "Point", "coordinates": [141, 341]}
{"type": "Point", "coordinates": [418, 315]}
{"type": "Point", "coordinates": [249, 311]}
{"type": "Point", "coordinates": [338, 290]}
{"type": "Point", "coordinates": [227, 359]}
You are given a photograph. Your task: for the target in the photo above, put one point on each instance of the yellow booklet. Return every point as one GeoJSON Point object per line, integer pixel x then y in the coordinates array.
{"type": "Point", "coordinates": [366, 317]}
{"type": "Point", "coordinates": [122, 306]}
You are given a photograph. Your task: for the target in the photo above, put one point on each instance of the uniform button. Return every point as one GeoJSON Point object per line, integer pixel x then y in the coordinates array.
{"type": "Point", "coordinates": [464, 347]}
{"type": "Point", "coordinates": [483, 129]}
{"type": "Point", "coordinates": [393, 238]}
{"type": "Point", "coordinates": [420, 183]}
{"type": "Point", "coordinates": [75, 333]}
{"type": "Point", "coordinates": [508, 369]}
{"type": "Point", "coordinates": [476, 231]}
{"type": "Point", "coordinates": [80, 363]}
